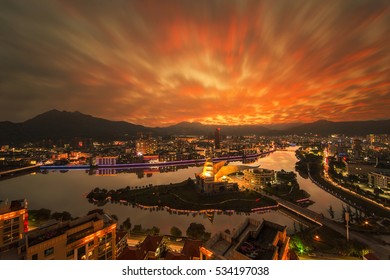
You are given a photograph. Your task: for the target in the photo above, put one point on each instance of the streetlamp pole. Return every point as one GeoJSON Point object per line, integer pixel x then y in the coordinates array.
{"type": "Point", "coordinates": [347, 220]}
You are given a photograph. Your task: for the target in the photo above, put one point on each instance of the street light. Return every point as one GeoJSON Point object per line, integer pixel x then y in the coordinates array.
{"type": "Point", "coordinates": [347, 220]}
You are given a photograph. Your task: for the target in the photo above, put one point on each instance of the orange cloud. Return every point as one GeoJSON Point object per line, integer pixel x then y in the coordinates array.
{"type": "Point", "coordinates": [228, 62]}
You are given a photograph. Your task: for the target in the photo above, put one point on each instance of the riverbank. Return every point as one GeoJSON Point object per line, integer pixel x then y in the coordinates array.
{"type": "Point", "coordinates": [184, 196]}
{"type": "Point", "coordinates": [310, 165]}
{"type": "Point", "coordinates": [155, 164]}
{"type": "Point", "coordinates": [347, 196]}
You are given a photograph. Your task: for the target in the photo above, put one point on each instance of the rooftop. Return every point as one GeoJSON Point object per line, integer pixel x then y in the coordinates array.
{"type": "Point", "coordinates": [175, 256]}
{"type": "Point", "coordinates": [191, 248]}
{"type": "Point", "coordinates": [150, 244]}
{"type": "Point", "coordinates": [130, 253]}
{"type": "Point", "coordinates": [254, 239]}
{"type": "Point", "coordinates": [14, 205]}
{"type": "Point", "coordinates": [259, 244]}
{"type": "Point", "coordinates": [50, 231]}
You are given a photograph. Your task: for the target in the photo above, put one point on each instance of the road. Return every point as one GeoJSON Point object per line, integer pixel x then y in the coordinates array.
{"type": "Point", "coordinates": [381, 250]}
{"type": "Point", "coordinates": [335, 184]}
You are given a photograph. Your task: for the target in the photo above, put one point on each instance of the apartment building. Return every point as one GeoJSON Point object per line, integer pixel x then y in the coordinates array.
{"type": "Point", "coordinates": [88, 238]}
{"type": "Point", "coordinates": [13, 223]}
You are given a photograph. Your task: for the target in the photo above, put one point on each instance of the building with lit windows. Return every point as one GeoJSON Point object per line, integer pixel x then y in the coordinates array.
{"type": "Point", "coordinates": [259, 176]}
{"type": "Point", "coordinates": [88, 238]}
{"type": "Point", "coordinates": [13, 223]}
{"type": "Point", "coordinates": [105, 161]}
{"type": "Point", "coordinates": [253, 240]}
{"type": "Point", "coordinates": [379, 180]}
{"type": "Point", "coordinates": [146, 146]}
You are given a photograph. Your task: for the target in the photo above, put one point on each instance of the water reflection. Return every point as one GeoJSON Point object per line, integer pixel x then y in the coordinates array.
{"type": "Point", "coordinates": [66, 192]}
{"type": "Point", "coordinates": [286, 160]}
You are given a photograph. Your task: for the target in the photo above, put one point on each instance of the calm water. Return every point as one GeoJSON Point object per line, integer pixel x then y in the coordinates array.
{"type": "Point", "coordinates": [286, 160]}
{"type": "Point", "coordinates": [65, 192]}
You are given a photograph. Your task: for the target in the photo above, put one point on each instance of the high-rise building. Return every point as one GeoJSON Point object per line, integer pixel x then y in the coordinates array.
{"type": "Point", "coordinates": [217, 138]}
{"type": "Point", "coordinates": [146, 146]}
{"type": "Point", "coordinates": [357, 148]}
{"type": "Point", "coordinates": [88, 238]}
{"type": "Point", "coordinates": [13, 223]}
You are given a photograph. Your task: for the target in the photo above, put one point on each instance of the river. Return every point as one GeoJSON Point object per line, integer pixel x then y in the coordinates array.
{"type": "Point", "coordinates": [65, 191]}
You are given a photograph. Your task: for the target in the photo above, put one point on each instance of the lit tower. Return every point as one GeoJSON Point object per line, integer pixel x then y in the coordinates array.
{"type": "Point", "coordinates": [208, 171]}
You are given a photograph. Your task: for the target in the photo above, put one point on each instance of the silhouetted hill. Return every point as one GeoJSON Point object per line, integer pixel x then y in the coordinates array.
{"type": "Point", "coordinates": [184, 128]}
{"type": "Point", "coordinates": [55, 124]}
{"type": "Point", "coordinates": [282, 126]}
{"type": "Point", "coordinates": [324, 127]}
{"type": "Point", "coordinates": [187, 128]}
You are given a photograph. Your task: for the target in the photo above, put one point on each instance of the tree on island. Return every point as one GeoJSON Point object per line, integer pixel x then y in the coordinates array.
{"type": "Point", "coordinates": [198, 231]}
{"type": "Point", "coordinates": [190, 182]}
{"type": "Point", "coordinates": [176, 232]}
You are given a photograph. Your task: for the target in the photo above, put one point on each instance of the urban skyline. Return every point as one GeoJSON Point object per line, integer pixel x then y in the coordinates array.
{"type": "Point", "coordinates": [213, 62]}
{"type": "Point", "coordinates": [195, 130]}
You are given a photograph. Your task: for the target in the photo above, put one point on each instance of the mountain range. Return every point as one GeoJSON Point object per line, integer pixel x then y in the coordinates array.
{"type": "Point", "coordinates": [56, 124]}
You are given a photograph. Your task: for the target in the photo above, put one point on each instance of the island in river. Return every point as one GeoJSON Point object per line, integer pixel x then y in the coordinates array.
{"type": "Point", "coordinates": [184, 196]}
{"type": "Point", "coordinates": [187, 196]}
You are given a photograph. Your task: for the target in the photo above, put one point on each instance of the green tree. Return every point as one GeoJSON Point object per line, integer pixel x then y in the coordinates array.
{"type": "Point", "coordinates": [331, 211]}
{"type": "Point", "coordinates": [176, 232]}
{"type": "Point", "coordinates": [297, 245]}
{"type": "Point", "coordinates": [64, 216]}
{"type": "Point", "coordinates": [197, 231]}
{"type": "Point", "coordinates": [153, 231]}
{"type": "Point", "coordinates": [190, 182]}
{"type": "Point", "coordinates": [42, 214]}
{"type": "Point", "coordinates": [126, 225]}
{"type": "Point", "coordinates": [137, 228]}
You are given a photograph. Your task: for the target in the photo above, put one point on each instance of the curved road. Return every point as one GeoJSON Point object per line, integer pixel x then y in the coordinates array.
{"type": "Point", "coordinates": [381, 250]}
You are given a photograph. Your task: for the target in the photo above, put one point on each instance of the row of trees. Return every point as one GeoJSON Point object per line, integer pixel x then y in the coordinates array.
{"type": "Point", "coordinates": [194, 230]}
{"type": "Point", "coordinates": [43, 214]}
{"type": "Point", "coordinates": [354, 216]}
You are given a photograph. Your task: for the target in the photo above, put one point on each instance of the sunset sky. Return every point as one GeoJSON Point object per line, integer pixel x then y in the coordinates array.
{"type": "Point", "coordinates": [157, 63]}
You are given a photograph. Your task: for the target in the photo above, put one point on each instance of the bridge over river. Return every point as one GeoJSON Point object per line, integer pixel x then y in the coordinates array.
{"type": "Point", "coordinates": [380, 249]}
